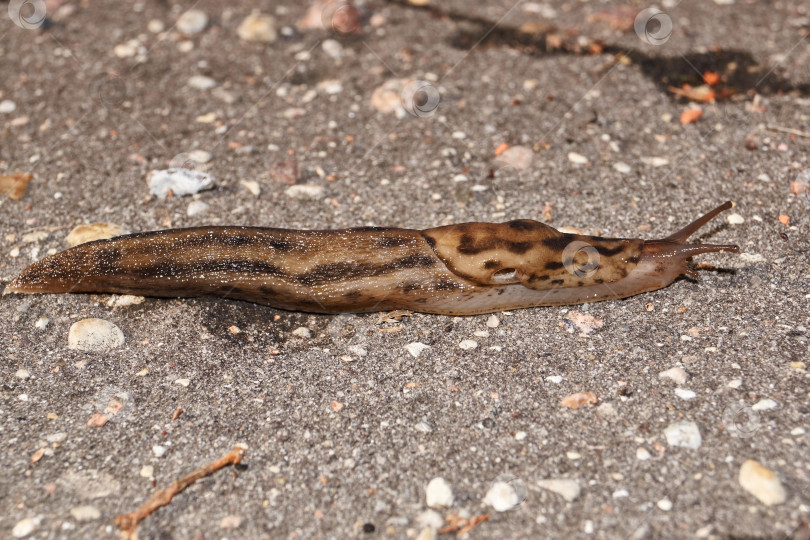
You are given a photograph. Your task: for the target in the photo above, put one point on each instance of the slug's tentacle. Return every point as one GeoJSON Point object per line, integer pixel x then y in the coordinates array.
{"type": "Point", "coordinates": [461, 269]}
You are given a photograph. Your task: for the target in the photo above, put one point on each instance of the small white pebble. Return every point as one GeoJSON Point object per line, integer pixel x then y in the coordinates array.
{"type": "Point", "coordinates": [683, 393]}
{"type": "Point", "coordinates": [158, 450]}
{"type": "Point", "coordinates": [762, 483]}
{"type": "Point", "coordinates": [416, 348]}
{"type": "Point", "coordinates": [569, 489]}
{"type": "Point", "coordinates": [196, 208]}
{"type": "Point", "coordinates": [764, 405]}
{"type": "Point", "coordinates": [664, 504]}
{"type": "Point", "coordinates": [23, 397]}
{"type": "Point", "coordinates": [94, 335]}
{"type": "Point", "coordinates": [796, 432]}
{"type": "Point", "coordinates": [683, 433]}
{"type": "Point", "coordinates": [147, 471]}
{"type": "Point", "coordinates": [26, 526]}
{"type": "Point", "coordinates": [623, 168]}
{"type": "Point", "coordinates": [85, 513]}
{"type": "Point", "coordinates": [734, 383]}
{"type": "Point", "coordinates": [676, 374]}
{"type": "Point", "coordinates": [579, 159]}
{"type": "Point", "coordinates": [183, 382]}
{"type": "Point", "coordinates": [556, 379]}
{"type": "Point", "coordinates": [620, 494]}
{"type": "Point", "coordinates": [7, 106]}
{"type": "Point", "coordinates": [192, 22]}
{"type": "Point", "coordinates": [573, 455]}
{"type": "Point", "coordinates": [22, 374]}
{"type": "Point", "coordinates": [252, 186]}
{"type": "Point", "coordinates": [201, 82]}
{"type": "Point", "coordinates": [642, 454]}
{"type": "Point", "coordinates": [305, 191]}
{"type": "Point", "coordinates": [493, 321]}
{"type": "Point", "coordinates": [468, 344]}
{"type": "Point", "coordinates": [438, 493]}
{"type": "Point", "coordinates": [302, 332]}
{"type": "Point", "coordinates": [156, 26]}
{"type": "Point", "coordinates": [521, 435]}
{"type": "Point", "coordinates": [502, 497]}
{"type": "Point", "coordinates": [735, 219]}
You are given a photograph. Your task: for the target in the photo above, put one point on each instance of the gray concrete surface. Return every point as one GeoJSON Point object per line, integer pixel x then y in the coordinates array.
{"type": "Point", "coordinates": [90, 125]}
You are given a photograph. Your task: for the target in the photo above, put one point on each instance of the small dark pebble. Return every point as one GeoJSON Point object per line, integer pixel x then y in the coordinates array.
{"type": "Point", "coordinates": [240, 466]}
{"type": "Point", "coordinates": [489, 423]}
{"type": "Point", "coordinates": [783, 236]}
{"type": "Point", "coordinates": [368, 528]}
{"type": "Point", "coordinates": [624, 391]}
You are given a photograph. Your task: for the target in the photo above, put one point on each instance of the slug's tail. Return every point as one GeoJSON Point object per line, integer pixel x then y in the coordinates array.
{"type": "Point", "coordinates": [674, 250]}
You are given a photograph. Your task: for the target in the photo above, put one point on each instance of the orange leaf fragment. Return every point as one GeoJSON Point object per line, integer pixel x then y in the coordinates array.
{"type": "Point", "coordinates": [784, 219]}
{"type": "Point", "coordinates": [97, 420]}
{"type": "Point", "coordinates": [702, 93]}
{"type": "Point", "coordinates": [580, 399]}
{"type": "Point", "coordinates": [501, 148]}
{"type": "Point", "coordinates": [711, 78]}
{"type": "Point", "coordinates": [337, 406]}
{"type": "Point", "coordinates": [690, 116]}
{"type": "Point", "coordinates": [15, 185]}
{"type": "Point", "coordinates": [36, 456]}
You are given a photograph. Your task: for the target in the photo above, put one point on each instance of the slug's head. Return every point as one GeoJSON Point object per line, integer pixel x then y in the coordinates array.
{"type": "Point", "coordinates": [667, 257]}
{"type": "Point", "coordinates": [540, 257]}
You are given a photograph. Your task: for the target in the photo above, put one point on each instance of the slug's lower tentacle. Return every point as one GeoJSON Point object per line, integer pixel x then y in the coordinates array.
{"type": "Point", "coordinates": [461, 269]}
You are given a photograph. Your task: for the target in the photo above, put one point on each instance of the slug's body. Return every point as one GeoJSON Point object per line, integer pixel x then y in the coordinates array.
{"type": "Point", "coordinates": [461, 269]}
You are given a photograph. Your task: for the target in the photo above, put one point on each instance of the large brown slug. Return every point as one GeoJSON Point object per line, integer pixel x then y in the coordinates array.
{"type": "Point", "coordinates": [461, 269]}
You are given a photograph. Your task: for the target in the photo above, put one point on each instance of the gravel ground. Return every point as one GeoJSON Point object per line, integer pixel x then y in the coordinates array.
{"type": "Point", "coordinates": [345, 425]}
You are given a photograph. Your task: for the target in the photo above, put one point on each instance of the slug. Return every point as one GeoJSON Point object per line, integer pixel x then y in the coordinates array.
{"type": "Point", "coordinates": [463, 269]}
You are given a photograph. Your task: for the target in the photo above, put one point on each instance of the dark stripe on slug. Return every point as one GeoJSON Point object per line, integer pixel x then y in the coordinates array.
{"type": "Point", "coordinates": [557, 243]}
{"type": "Point", "coordinates": [352, 294]}
{"type": "Point", "coordinates": [342, 271]}
{"type": "Point", "coordinates": [180, 269]}
{"type": "Point", "coordinates": [631, 260]}
{"type": "Point", "coordinates": [468, 246]}
{"type": "Point", "coordinates": [541, 277]}
{"type": "Point", "coordinates": [489, 265]}
{"type": "Point", "coordinates": [557, 281]}
{"type": "Point", "coordinates": [554, 265]}
{"type": "Point", "coordinates": [609, 252]}
{"type": "Point", "coordinates": [523, 225]}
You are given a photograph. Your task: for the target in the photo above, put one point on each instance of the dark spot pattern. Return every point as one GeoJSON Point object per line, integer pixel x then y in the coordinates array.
{"type": "Point", "coordinates": [445, 285]}
{"type": "Point", "coordinates": [489, 265]}
{"type": "Point", "coordinates": [557, 281]}
{"type": "Point", "coordinates": [554, 265]}
{"type": "Point", "coordinates": [391, 241]}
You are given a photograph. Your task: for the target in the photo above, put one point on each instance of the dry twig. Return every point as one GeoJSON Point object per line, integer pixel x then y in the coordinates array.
{"type": "Point", "coordinates": [461, 524]}
{"type": "Point", "coordinates": [129, 522]}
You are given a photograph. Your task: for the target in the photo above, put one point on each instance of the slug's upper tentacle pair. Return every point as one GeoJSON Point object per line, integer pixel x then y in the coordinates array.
{"type": "Point", "coordinates": [462, 269]}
